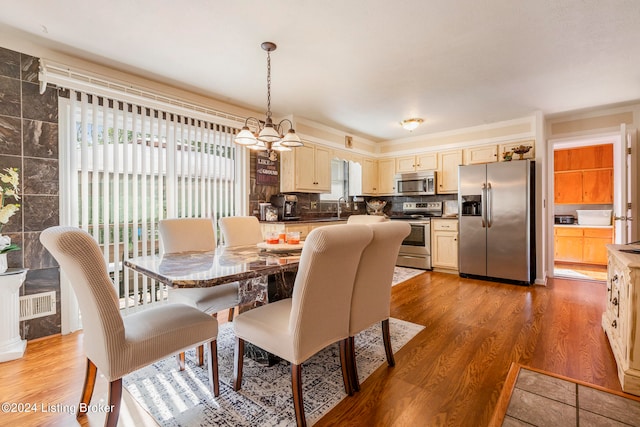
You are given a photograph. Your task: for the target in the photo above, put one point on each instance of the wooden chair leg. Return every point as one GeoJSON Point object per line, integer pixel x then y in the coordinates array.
{"type": "Point", "coordinates": [230, 316]}
{"type": "Point", "coordinates": [345, 364]}
{"type": "Point", "coordinates": [200, 354]}
{"type": "Point", "coordinates": [296, 386]}
{"type": "Point", "coordinates": [386, 337]}
{"type": "Point", "coordinates": [237, 364]}
{"type": "Point", "coordinates": [212, 368]}
{"type": "Point", "coordinates": [353, 368]}
{"type": "Point", "coordinates": [87, 389]}
{"type": "Point", "coordinates": [180, 357]}
{"type": "Point", "coordinates": [115, 398]}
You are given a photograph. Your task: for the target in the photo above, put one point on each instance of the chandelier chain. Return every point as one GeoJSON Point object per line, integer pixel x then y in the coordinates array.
{"type": "Point", "coordinates": [268, 84]}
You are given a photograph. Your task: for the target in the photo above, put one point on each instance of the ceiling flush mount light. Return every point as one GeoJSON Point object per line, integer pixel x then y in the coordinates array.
{"type": "Point", "coordinates": [411, 124]}
{"type": "Point", "coordinates": [266, 135]}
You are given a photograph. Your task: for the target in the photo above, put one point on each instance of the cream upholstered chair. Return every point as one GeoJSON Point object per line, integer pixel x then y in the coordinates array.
{"type": "Point", "coordinates": [372, 288]}
{"type": "Point", "coordinates": [117, 345]}
{"type": "Point", "coordinates": [240, 230]}
{"type": "Point", "coordinates": [366, 219]}
{"type": "Point", "coordinates": [196, 235]}
{"type": "Point", "coordinates": [316, 315]}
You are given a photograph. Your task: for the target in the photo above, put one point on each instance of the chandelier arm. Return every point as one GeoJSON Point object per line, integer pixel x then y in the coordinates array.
{"type": "Point", "coordinates": [258, 124]}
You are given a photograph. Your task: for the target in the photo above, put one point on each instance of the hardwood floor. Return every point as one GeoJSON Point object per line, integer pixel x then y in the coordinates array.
{"type": "Point", "coordinates": [450, 374]}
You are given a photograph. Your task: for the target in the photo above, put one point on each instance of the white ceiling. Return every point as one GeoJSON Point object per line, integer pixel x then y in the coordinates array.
{"type": "Point", "coordinates": [361, 65]}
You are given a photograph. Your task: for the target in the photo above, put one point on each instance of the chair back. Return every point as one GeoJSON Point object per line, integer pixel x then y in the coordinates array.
{"type": "Point", "coordinates": [187, 235]}
{"type": "Point", "coordinates": [324, 285]}
{"type": "Point", "coordinates": [366, 219]}
{"type": "Point", "coordinates": [240, 230]}
{"type": "Point", "coordinates": [79, 256]}
{"type": "Point", "coordinates": [372, 288]}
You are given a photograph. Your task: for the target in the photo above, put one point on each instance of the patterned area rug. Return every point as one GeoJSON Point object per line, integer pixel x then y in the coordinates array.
{"type": "Point", "coordinates": [400, 274]}
{"type": "Point", "coordinates": [177, 398]}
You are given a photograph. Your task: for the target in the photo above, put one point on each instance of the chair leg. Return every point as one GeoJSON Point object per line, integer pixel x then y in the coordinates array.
{"type": "Point", "coordinates": [386, 337]}
{"type": "Point", "coordinates": [115, 398]}
{"type": "Point", "coordinates": [212, 367]}
{"type": "Point", "coordinates": [345, 364]}
{"type": "Point", "coordinates": [296, 386]}
{"type": "Point", "coordinates": [87, 388]}
{"type": "Point", "coordinates": [237, 364]}
{"type": "Point", "coordinates": [200, 354]}
{"type": "Point", "coordinates": [353, 371]}
{"type": "Point", "coordinates": [230, 316]}
{"type": "Point", "coordinates": [180, 357]}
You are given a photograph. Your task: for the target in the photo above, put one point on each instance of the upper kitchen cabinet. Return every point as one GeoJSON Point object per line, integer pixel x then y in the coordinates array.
{"type": "Point", "coordinates": [480, 154]}
{"type": "Point", "coordinates": [306, 169]}
{"type": "Point", "coordinates": [378, 177]}
{"type": "Point", "coordinates": [447, 177]}
{"type": "Point", "coordinates": [421, 162]}
{"type": "Point", "coordinates": [584, 175]}
{"type": "Point", "coordinates": [369, 177]}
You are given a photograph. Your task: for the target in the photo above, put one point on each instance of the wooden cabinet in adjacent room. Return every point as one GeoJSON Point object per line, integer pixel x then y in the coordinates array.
{"type": "Point", "coordinates": [584, 175]}
{"type": "Point", "coordinates": [582, 245]}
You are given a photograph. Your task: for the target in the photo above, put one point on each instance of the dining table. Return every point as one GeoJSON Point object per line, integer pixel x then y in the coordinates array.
{"type": "Point", "coordinates": [264, 275]}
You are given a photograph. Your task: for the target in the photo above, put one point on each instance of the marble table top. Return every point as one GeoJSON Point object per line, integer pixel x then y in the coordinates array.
{"type": "Point", "coordinates": [204, 269]}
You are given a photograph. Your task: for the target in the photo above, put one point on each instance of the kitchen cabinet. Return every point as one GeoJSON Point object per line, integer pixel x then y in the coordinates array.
{"type": "Point", "coordinates": [480, 154]}
{"type": "Point", "coordinates": [421, 162]}
{"type": "Point", "coordinates": [444, 243]}
{"type": "Point", "coordinates": [306, 169]}
{"type": "Point", "coordinates": [378, 177]}
{"type": "Point", "coordinates": [369, 177]}
{"type": "Point", "coordinates": [621, 318]}
{"type": "Point", "coordinates": [584, 175]}
{"type": "Point", "coordinates": [591, 157]}
{"type": "Point", "coordinates": [581, 244]}
{"type": "Point", "coordinates": [447, 176]}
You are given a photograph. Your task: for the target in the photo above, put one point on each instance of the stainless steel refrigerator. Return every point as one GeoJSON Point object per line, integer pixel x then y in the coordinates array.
{"type": "Point", "coordinates": [497, 221]}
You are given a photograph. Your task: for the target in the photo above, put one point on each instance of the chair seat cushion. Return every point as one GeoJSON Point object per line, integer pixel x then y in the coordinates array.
{"type": "Point", "coordinates": [268, 328]}
{"type": "Point", "coordinates": [210, 300]}
{"type": "Point", "coordinates": [153, 334]}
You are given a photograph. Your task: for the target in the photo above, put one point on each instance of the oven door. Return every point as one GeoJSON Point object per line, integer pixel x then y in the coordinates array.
{"type": "Point", "coordinates": [418, 237]}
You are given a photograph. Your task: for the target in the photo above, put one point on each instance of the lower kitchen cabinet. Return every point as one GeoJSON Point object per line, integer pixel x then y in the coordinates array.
{"type": "Point", "coordinates": [582, 245]}
{"type": "Point", "coordinates": [444, 243]}
{"type": "Point", "coordinates": [621, 319]}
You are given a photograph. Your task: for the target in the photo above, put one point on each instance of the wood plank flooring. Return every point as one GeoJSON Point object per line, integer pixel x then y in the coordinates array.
{"type": "Point", "coordinates": [450, 374]}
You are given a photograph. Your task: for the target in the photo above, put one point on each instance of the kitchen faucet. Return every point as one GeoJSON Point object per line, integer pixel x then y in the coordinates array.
{"type": "Point", "coordinates": [339, 210]}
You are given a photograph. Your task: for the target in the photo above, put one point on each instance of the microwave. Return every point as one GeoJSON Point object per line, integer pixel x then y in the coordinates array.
{"type": "Point", "coordinates": [416, 183]}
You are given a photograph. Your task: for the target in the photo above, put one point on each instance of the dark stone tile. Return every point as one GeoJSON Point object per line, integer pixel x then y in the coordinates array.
{"type": "Point", "coordinates": [29, 68]}
{"type": "Point", "coordinates": [40, 139]}
{"type": "Point", "coordinates": [547, 386]}
{"type": "Point", "coordinates": [44, 280]}
{"type": "Point", "coordinates": [40, 176]}
{"type": "Point", "coordinates": [39, 107]}
{"type": "Point", "coordinates": [35, 255]}
{"type": "Point", "coordinates": [540, 411]}
{"type": "Point", "coordinates": [15, 258]}
{"type": "Point", "coordinates": [43, 326]}
{"type": "Point", "coordinates": [9, 63]}
{"type": "Point", "coordinates": [9, 97]}
{"type": "Point", "coordinates": [609, 405]}
{"type": "Point", "coordinates": [589, 419]}
{"type": "Point", "coordinates": [10, 135]}
{"type": "Point", "coordinates": [40, 212]}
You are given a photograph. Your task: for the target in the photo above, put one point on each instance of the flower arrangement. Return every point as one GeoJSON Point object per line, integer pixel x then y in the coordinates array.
{"type": "Point", "coordinates": [9, 181]}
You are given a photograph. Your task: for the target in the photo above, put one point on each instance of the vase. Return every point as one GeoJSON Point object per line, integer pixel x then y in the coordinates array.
{"type": "Point", "coordinates": [3, 263]}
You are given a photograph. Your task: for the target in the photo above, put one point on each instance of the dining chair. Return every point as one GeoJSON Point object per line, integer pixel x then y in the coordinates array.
{"type": "Point", "coordinates": [240, 230]}
{"type": "Point", "coordinates": [117, 345]}
{"type": "Point", "coordinates": [371, 298]}
{"type": "Point", "coordinates": [316, 315]}
{"type": "Point", "coordinates": [196, 235]}
{"type": "Point", "coordinates": [366, 219]}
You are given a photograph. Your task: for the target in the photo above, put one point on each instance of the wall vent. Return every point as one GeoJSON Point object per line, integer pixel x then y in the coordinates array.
{"type": "Point", "coordinates": [37, 305]}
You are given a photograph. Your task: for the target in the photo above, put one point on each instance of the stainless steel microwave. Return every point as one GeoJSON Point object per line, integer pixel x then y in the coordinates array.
{"type": "Point", "coordinates": [416, 183]}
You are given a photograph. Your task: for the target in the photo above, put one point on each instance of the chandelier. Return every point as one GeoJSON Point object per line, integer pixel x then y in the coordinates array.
{"type": "Point", "coordinates": [265, 135]}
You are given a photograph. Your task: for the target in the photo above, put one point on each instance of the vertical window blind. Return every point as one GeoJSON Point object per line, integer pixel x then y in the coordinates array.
{"type": "Point", "coordinates": [124, 167]}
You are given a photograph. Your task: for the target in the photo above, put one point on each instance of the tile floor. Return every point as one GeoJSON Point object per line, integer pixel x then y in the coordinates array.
{"type": "Point", "coordinates": [542, 400]}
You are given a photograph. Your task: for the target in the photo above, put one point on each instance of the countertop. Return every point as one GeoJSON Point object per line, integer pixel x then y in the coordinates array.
{"type": "Point", "coordinates": [306, 221]}
{"type": "Point", "coordinates": [581, 226]}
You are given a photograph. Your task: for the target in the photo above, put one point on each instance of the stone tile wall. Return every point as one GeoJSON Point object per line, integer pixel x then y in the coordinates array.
{"type": "Point", "coordinates": [29, 142]}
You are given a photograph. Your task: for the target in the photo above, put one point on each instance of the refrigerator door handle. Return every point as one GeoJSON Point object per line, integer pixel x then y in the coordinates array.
{"type": "Point", "coordinates": [483, 204]}
{"type": "Point", "coordinates": [489, 205]}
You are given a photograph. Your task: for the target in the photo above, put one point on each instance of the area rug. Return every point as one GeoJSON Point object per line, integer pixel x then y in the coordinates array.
{"type": "Point", "coordinates": [175, 398]}
{"type": "Point", "coordinates": [533, 397]}
{"type": "Point", "coordinates": [401, 274]}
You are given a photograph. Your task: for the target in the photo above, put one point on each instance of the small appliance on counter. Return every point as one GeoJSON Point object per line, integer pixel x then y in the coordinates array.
{"type": "Point", "coordinates": [287, 205]}
{"type": "Point", "coordinates": [564, 219]}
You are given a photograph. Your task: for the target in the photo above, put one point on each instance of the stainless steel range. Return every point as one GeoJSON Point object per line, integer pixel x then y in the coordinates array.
{"type": "Point", "coordinates": [415, 251]}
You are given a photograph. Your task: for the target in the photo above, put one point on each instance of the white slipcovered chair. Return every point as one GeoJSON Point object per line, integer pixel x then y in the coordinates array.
{"type": "Point", "coordinates": [371, 298]}
{"type": "Point", "coordinates": [366, 219]}
{"type": "Point", "coordinates": [196, 235]}
{"type": "Point", "coordinates": [240, 230]}
{"type": "Point", "coordinates": [316, 315]}
{"type": "Point", "coordinates": [117, 345]}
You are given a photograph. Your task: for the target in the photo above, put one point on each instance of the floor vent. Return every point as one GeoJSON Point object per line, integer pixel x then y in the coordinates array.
{"type": "Point", "coordinates": [37, 305]}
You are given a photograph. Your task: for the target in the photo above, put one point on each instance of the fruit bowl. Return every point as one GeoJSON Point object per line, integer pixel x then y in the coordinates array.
{"type": "Point", "coordinates": [376, 206]}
